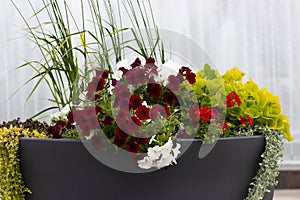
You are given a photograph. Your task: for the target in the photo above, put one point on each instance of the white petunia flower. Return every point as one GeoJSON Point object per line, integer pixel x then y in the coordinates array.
{"type": "Point", "coordinates": [160, 156]}
{"type": "Point", "coordinates": [155, 152]}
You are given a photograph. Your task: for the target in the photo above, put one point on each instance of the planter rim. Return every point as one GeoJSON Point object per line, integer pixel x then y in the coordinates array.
{"type": "Point", "coordinates": [182, 139]}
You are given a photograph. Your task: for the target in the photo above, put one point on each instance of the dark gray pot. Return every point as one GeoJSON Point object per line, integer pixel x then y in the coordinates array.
{"type": "Point", "coordinates": [64, 170]}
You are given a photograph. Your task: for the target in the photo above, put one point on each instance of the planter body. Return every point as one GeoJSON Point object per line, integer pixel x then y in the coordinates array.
{"type": "Point", "coordinates": [65, 170]}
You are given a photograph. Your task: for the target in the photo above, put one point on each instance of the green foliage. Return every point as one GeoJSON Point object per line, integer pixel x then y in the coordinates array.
{"type": "Point", "coordinates": [11, 182]}
{"type": "Point", "coordinates": [257, 104]}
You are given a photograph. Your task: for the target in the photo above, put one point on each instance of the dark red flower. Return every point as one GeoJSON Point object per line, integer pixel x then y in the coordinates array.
{"type": "Point", "coordinates": [121, 91]}
{"type": "Point", "coordinates": [96, 141]}
{"type": "Point", "coordinates": [60, 124]}
{"type": "Point", "coordinates": [150, 60]}
{"type": "Point", "coordinates": [135, 101]}
{"type": "Point", "coordinates": [102, 73]}
{"type": "Point", "coordinates": [70, 116]}
{"type": "Point", "coordinates": [121, 134]}
{"type": "Point", "coordinates": [132, 146]}
{"type": "Point", "coordinates": [114, 82]}
{"type": "Point", "coordinates": [142, 139]}
{"type": "Point", "coordinates": [163, 111]}
{"type": "Point", "coordinates": [122, 117]}
{"type": "Point", "coordinates": [174, 82]}
{"type": "Point", "coordinates": [143, 113]}
{"type": "Point", "coordinates": [137, 76]}
{"type": "Point", "coordinates": [123, 70]}
{"type": "Point", "coordinates": [54, 131]}
{"type": "Point", "coordinates": [183, 70]}
{"type": "Point", "coordinates": [108, 120]}
{"type": "Point", "coordinates": [170, 98]}
{"type": "Point", "coordinates": [136, 63]}
{"type": "Point", "coordinates": [232, 98]}
{"type": "Point", "coordinates": [119, 142]}
{"type": "Point", "coordinates": [191, 77]}
{"type": "Point", "coordinates": [86, 119]}
{"type": "Point", "coordinates": [132, 125]}
{"type": "Point", "coordinates": [154, 90]}
{"type": "Point", "coordinates": [97, 84]}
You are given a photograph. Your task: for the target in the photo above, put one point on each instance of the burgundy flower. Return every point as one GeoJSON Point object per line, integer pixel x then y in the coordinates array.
{"type": "Point", "coordinates": [137, 76]}
{"type": "Point", "coordinates": [97, 84]}
{"type": "Point", "coordinates": [142, 139]}
{"type": "Point", "coordinates": [114, 82]}
{"type": "Point", "coordinates": [135, 101]}
{"type": "Point", "coordinates": [164, 111]}
{"type": "Point", "coordinates": [86, 119]}
{"type": "Point", "coordinates": [154, 90]}
{"type": "Point", "coordinates": [183, 70]}
{"type": "Point", "coordinates": [102, 73]}
{"type": "Point", "coordinates": [132, 125]}
{"type": "Point", "coordinates": [136, 63]}
{"type": "Point", "coordinates": [170, 98]}
{"type": "Point", "coordinates": [132, 146]}
{"type": "Point", "coordinates": [174, 82]}
{"type": "Point", "coordinates": [123, 70]}
{"type": "Point", "coordinates": [108, 120]}
{"type": "Point", "coordinates": [119, 142]}
{"type": "Point", "coordinates": [60, 124]}
{"type": "Point", "coordinates": [121, 91]}
{"type": "Point", "coordinates": [70, 116]}
{"type": "Point", "coordinates": [122, 117]}
{"type": "Point", "coordinates": [121, 134]}
{"type": "Point", "coordinates": [150, 60]}
{"type": "Point", "coordinates": [54, 131]}
{"type": "Point", "coordinates": [191, 77]}
{"type": "Point", "coordinates": [96, 141]}
{"type": "Point", "coordinates": [143, 113]}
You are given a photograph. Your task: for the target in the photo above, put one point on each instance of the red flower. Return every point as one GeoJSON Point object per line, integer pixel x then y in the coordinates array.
{"type": "Point", "coordinates": [191, 77]}
{"type": "Point", "coordinates": [194, 114]}
{"type": "Point", "coordinates": [135, 101]}
{"type": "Point", "coordinates": [183, 70]}
{"type": "Point", "coordinates": [132, 146]}
{"type": "Point", "coordinates": [154, 90]}
{"type": "Point", "coordinates": [96, 141]}
{"type": "Point", "coordinates": [205, 113]}
{"type": "Point", "coordinates": [164, 111]}
{"type": "Point", "coordinates": [231, 98]}
{"type": "Point", "coordinates": [225, 126]}
{"type": "Point", "coordinates": [170, 98]}
{"type": "Point", "coordinates": [174, 82]}
{"type": "Point", "coordinates": [136, 63]}
{"type": "Point", "coordinates": [246, 120]}
{"type": "Point", "coordinates": [86, 119]}
{"type": "Point", "coordinates": [143, 113]}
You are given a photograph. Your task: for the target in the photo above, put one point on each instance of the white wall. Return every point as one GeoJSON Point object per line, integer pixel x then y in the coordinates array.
{"type": "Point", "coordinates": [262, 37]}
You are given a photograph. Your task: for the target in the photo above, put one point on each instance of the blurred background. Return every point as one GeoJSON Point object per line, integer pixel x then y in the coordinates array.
{"type": "Point", "coordinates": [261, 37]}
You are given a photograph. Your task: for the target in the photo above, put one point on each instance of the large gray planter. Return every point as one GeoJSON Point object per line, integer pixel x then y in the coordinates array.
{"type": "Point", "coordinates": [65, 170]}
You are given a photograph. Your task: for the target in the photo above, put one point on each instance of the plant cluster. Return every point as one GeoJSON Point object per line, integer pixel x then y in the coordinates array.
{"type": "Point", "coordinates": [11, 181]}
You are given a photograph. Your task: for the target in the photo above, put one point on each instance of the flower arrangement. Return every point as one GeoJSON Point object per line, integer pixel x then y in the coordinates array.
{"type": "Point", "coordinates": [135, 109]}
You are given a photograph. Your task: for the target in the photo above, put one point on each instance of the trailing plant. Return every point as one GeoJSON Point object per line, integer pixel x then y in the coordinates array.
{"type": "Point", "coordinates": [11, 181]}
{"type": "Point", "coordinates": [269, 167]}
